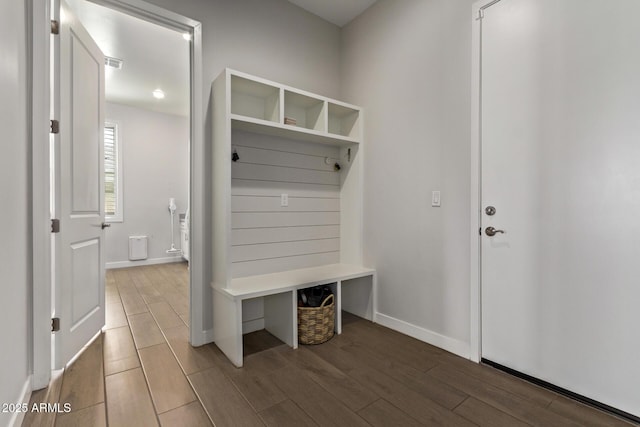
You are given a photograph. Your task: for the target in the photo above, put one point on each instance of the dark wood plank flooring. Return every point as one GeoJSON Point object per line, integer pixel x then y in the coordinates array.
{"type": "Point", "coordinates": [142, 371]}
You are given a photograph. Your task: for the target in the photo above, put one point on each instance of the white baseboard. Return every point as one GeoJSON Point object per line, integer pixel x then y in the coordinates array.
{"type": "Point", "coordinates": [150, 261]}
{"type": "Point", "coordinates": [25, 396]}
{"type": "Point", "coordinates": [449, 344]}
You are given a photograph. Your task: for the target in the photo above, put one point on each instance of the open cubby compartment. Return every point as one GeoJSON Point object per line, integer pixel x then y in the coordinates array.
{"type": "Point", "coordinates": [309, 112]}
{"type": "Point", "coordinates": [344, 121]}
{"type": "Point", "coordinates": [250, 98]}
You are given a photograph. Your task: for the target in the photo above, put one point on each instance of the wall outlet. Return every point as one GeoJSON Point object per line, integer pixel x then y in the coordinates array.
{"type": "Point", "coordinates": [284, 200]}
{"type": "Point", "coordinates": [435, 198]}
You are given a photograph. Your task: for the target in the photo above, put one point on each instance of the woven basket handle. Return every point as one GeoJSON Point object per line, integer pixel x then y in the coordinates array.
{"type": "Point", "coordinates": [326, 300]}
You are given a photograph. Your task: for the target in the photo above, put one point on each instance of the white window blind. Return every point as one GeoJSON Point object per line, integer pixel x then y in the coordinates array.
{"type": "Point", "coordinates": [112, 175]}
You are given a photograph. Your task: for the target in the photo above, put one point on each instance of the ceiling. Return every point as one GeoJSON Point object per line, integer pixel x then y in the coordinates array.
{"type": "Point", "coordinates": [339, 12]}
{"type": "Point", "coordinates": [154, 57]}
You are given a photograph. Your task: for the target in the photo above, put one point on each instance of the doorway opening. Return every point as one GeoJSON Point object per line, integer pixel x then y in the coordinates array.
{"type": "Point", "coordinates": [192, 175]}
{"type": "Point", "coordinates": [146, 159]}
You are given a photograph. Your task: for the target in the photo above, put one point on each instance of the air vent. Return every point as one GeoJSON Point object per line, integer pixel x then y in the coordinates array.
{"type": "Point", "coordinates": [113, 62]}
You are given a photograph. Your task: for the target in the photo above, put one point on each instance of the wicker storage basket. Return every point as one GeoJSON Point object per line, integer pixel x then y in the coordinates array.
{"type": "Point", "coordinates": [316, 324]}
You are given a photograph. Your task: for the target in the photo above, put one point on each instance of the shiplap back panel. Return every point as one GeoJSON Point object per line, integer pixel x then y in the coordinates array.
{"type": "Point", "coordinates": [267, 237]}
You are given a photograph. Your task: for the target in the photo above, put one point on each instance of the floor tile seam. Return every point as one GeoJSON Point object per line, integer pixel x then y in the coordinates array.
{"type": "Point", "coordinates": [329, 391]}
{"type": "Point", "coordinates": [235, 386]}
{"type": "Point", "coordinates": [419, 395]}
{"type": "Point", "coordinates": [141, 366]}
{"type": "Point", "coordinates": [175, 356]}
{"type": "Point", "coordinates": [195, 400]}
{"type": "Point", "coordinates": [330, 394]}
{"type": "Point", "coordinates": [146, 381]}
{"type": "Point", "coordinates": [104, 386]}
{"type": "Point", "coordinates": [426, 373]}
{"type": "Point", "coordinates": [133, 335]}
{"type": "Point", "coordinates": [410, 415]}
{"type": "Point", "coordinates": [379, 357]}
{"type": "Point", "coordinates": [124, 370]}
{"type": "Point", "coordinates": [144, 376]}
{"type": "Point", "coordinates": [508, 377]}
{"type": "Point", "coordinates": [461, 403]}
{"type": "Point", "coordinates": [128, 326]}
{"type": "Point", "coordinates": [166, 342]}
{"type": "Point", "coordinates": [259, 414]}
{"type": "Point", "coordinates": [156, 319]}
{"type": "Point", "coordinates": [502, 389]}
{"type": "Point", "coordinates": [488, 404]}
{"type": "Point", "coordinates": [308, 414]}
{"type": "Point", "coordinates": [364, 408]}
{"type": "Point", "coordinates": [204, 407]}
{"type": "Point", "coordinates": [508, 411]}
{"type": "Point", "coordinates": [88, 407]}
{"type": "Point", "coordinates": [488, 400]}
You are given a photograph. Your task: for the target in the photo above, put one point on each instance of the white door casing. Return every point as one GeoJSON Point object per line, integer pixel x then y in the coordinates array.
{"type": "Point", "coordinates": [79, 293]}
{"type": "Point", "coordinates": [560, 101]}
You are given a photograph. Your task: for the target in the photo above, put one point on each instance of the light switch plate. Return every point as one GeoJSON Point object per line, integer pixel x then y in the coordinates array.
{"type": "Point", "coordinates": [284, 200]}
{"type": "Point", "coordinates": [435, 198]}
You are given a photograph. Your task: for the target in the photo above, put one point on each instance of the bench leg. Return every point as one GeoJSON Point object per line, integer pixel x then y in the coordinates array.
{"type": "Point", "coordinates": [280, 317]}
{"type": "Point", "coordinates": [227, 327]}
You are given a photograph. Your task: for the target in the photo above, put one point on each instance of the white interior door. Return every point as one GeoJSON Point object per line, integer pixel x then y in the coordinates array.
{"type": "Point", "coordinates": [560, 149]}
{"type": "Point", "coordinates": [79, 247]}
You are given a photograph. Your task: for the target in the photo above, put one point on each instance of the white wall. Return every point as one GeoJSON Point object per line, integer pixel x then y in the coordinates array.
{"type": "Point", "coordinates": [408, 63]}
{"type": "Point", "coordinates": [269, 38]}
{"type": "Point", "coordinates": [156, 166]}
{"type": "Point", "coordinates": [15, 215]}
{"type": "Point", "coordinates": [273, 39]}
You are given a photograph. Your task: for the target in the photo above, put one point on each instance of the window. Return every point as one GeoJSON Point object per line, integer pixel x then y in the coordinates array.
{"type": "Point", "coordinates": [112, 173]}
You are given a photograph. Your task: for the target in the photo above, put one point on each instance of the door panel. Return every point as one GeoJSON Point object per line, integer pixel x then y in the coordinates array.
{"type": "Point", "coordinates": [85, 109]}
{"type": "Point", "coordinates": [85, 261]}
{"type": "Point", "coordinates": [79, 184]}
{"type": "Point", "coordinates": [560, 155]}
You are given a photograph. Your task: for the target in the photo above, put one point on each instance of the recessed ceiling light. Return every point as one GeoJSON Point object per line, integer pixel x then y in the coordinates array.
{"type": "Point", "coordinates": [186, 36]}
{"type": "Point", "coordinates": [158, 94]}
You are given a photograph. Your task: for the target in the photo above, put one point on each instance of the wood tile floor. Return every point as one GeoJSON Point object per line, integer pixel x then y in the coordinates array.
{"type": "Point", "coordinates": [141, 371]}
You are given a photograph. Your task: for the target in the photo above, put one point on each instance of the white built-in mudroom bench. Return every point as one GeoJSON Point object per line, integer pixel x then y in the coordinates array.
{"type": "Point", "coordinates": [287, 210]}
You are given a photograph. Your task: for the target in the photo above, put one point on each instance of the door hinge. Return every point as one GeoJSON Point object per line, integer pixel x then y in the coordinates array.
{"type": "Point", "coordinates": [55, 324]}
{"type": "Point", "coordinates": [55, 225]}
{"type": "Point", "coordinates": [55, 27]}
{"type": "Point", "coordinates": [480, 14]}
{"type": "Point", "coordinates": [54, 126]}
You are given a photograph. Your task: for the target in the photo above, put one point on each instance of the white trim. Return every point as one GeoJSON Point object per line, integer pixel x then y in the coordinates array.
{"type": "Point", "coordinates": [198, 282]}
{"type": "Point", "coordinates": [40, 191]}
{"type": "Point", "coordinates": [25, 395]}
{"type": "Point", "coordinates": [119, 216]}
{"type": "Point", "coordinates": [199, 201]}
{"type": "Point", "coordinates": [460, 348]}
{"type": "Point", "coordinates": [475, 316]}
{"type": "Point", "coordinates": [150, 261]}
{"type": "Point", "coordinates": [475, 288]}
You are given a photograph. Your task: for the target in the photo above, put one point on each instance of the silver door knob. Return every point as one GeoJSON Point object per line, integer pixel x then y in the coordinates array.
{"type": "Point", "coordinates": [490, 231]}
